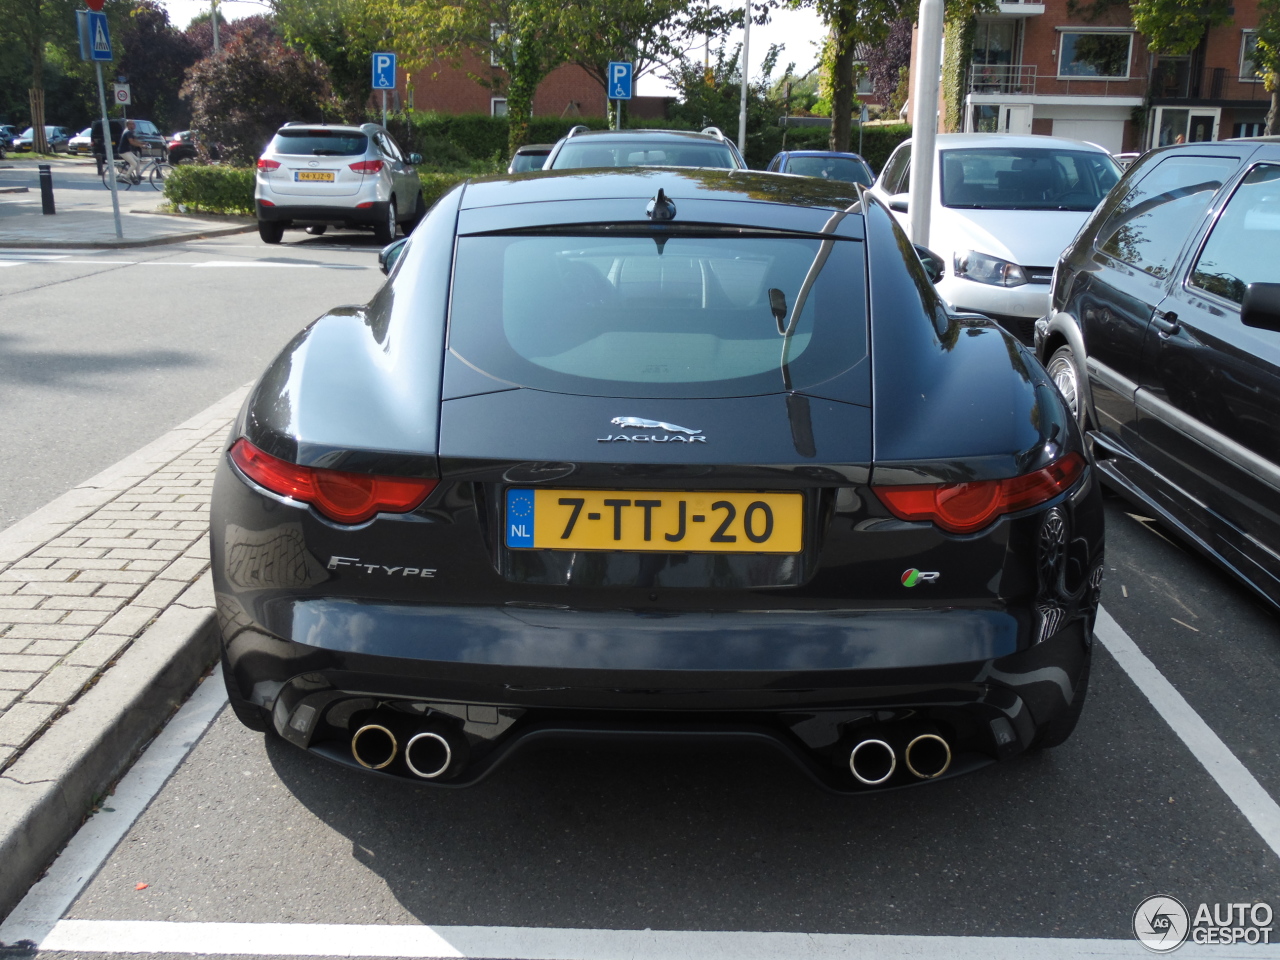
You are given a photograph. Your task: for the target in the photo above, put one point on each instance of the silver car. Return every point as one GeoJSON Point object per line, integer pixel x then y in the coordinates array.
{"type": "Point", "coordinates": [317, 174]}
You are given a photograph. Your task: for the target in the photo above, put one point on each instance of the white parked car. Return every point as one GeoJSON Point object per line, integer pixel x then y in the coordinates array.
{"type": "Point", "coordinates": [1004, 208]}
{"type": "Point", "coordinates": [318, 174]}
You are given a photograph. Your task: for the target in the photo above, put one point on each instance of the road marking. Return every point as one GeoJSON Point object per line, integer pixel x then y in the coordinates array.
{"type": "Point", "coordinates": [549, 943]}
{"type": "Point", "coordinates": [48, 900]}
{"type": "Point", "coordinates": [1240, 786]}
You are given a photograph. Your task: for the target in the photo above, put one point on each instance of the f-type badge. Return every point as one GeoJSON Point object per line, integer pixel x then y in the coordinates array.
{"type": "Point", "coordinates": [673, 433]}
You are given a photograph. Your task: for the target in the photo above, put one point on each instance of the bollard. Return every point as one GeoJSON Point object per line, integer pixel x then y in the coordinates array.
{"type": "Point", "coordinates": [46, 188]}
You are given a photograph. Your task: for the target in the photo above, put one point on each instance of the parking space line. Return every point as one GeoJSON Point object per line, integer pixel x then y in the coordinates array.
{"type": "Point", "coordinates": [1240, 786]}
{"type": "Point", "coordinates": [46, 902]}
{"type": "Point", "coordinates": [549, 943]}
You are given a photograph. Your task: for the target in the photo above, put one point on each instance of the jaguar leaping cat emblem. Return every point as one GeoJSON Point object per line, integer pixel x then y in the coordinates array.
{"type": "Point", "coordinates": [640, 424]}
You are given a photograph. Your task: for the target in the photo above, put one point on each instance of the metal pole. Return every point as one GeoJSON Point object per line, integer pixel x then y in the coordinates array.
{"type": "Point", "coordinates": [111, 153]}
{"type": "Point", "coordinates": [924, 117]}
{"type": "Point", "coordinates": [742, 104]}
{"type": "Point", "coordinates": [384, 109]}
{"type": "Point", "coordinates": [214, 22]}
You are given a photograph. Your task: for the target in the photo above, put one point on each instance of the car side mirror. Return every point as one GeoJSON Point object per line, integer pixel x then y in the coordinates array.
{"type": "Point", "coordinates": [390, 254]}
{"type": "Point", "coordinates": [934, 265]}
{"type": "Point", "coordinates": [1261, 306]}
{"type": "Point", "coordinates": [415, 158]}
{"type": "Point", "coordinates": [898, 202]}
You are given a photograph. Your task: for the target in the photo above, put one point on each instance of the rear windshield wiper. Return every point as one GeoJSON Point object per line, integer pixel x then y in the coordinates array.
{"type": "Point", "coordinates": [320, 152]}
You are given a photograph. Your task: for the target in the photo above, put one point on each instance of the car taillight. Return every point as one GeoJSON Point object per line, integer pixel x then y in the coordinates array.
{"type": "Point", "coordinates": [265, 164]}
{"type": "Point", "coordinates": [966, 507]}
{"type": "Point", "coordinates": [340, 496]}
{"type": "Point", "coordinates": [367, 166]}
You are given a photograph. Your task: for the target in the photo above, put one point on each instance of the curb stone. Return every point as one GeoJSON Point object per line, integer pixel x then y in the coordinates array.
{"type": "Point", "coordinates": [52, 784]}
{"type": "Point", "coordinates": [122, 244]}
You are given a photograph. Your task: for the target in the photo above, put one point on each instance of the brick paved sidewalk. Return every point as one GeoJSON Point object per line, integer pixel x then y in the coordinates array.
{"type": "Point", "coordinates": [82, 578]}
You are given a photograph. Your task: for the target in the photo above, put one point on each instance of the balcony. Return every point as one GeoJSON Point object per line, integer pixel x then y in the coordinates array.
{"type": "Point", "coordinates": [1178, 79]}
{"type": "Point", "coordinates": [1018, 8]}
{"type": "Point", "coordinates": [1024, 79]}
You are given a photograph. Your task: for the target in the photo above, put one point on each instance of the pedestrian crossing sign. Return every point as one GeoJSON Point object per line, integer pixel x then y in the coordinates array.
{"type": "Point", "coordinates": [95, 35]}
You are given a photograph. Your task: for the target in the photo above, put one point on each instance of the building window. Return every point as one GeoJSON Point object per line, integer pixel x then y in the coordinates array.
{"type": "Point", "coordinates": [497, 106]}
{"type": "Point", "coordinates": [497, 32]}
{"type": "Point", "coordinates": [1248, 69]}
{"type": "Point", "coordinates": [863, 75]}
{"type": "Point", "coordinates": [1101, 55]}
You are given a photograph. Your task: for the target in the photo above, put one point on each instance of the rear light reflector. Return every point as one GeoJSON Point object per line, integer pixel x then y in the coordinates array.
{"type": "Point", "coordinates": [968, 507]}
{"type": "Point", "coordinates": [364, 206]}
{"type": "Point", "coordinates": [340, 496]}
{"type": "Point", "coordinates": [266, 203]}
{"type": "Point", "coordinates": [367, 166]}
{"type": "Point", "coordinates": [265, 164]}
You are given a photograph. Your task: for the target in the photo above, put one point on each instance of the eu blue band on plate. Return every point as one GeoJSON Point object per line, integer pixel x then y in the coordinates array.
{"type": "Point", "coordinates": [519, 518]}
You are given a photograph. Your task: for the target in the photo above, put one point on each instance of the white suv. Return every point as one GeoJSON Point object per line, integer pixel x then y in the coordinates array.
{"type": "Point", "coordinates": [319, 174]}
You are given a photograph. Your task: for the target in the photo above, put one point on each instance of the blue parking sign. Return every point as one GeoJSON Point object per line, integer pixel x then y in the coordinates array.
{"type": "Point", "coordinates": [619, 81]}
{"type": "Point", "coordinates": [384, 71]}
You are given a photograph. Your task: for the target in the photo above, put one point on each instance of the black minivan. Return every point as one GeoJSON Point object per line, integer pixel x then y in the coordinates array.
{"type": "Point", "coordinates": [1164, 338]}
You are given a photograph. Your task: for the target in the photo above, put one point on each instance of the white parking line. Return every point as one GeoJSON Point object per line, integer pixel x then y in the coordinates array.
{"type": "Point", "coordinates": [37, 919]}
{"type": "Point", "coordinates": [549, 943]}
{"type": "Point", "coordinates": [1206, 746]}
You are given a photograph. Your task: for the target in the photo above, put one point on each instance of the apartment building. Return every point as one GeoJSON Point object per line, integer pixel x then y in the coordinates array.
{"type": "Point", "coordinates": [1037, 67]}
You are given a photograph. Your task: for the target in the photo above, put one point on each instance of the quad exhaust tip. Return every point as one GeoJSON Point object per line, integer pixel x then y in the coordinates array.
{"type": "Point", "coordinates": [873, 761]}
{"type": "Point", "coordinates": [374, 746]}
{"type": "Point", "coordinates": [428, 755]}
{"type": "Point", "coordinates": [928, 756]}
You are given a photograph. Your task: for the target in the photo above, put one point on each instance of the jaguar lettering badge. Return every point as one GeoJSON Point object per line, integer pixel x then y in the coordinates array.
{"type": "Point", "coordinates": [913, 576]}
{"type": "Point", "coordinates": [674, 433]}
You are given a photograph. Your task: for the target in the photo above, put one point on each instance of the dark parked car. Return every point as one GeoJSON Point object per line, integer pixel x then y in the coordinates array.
{"type": "Point", "coordinates": [588, 149]}
{"type": "Point", "coordinates": [1165, 340]}
{"type": "Point", "coordinates": [604, 458]}
{"type": "Point", "coordinates": [185, 146]}
{"type": "Point", "coordinates": [148, 135]}
{"type": "Point", "coordinates": [827, 164]}
{"type": "Point", "coordinates": [56, 138]}
{"type": "Point", "coordinates": [529, 157]}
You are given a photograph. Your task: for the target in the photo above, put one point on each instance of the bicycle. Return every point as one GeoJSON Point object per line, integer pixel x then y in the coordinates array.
{"type": "Point", "coordinates": [155, 171]}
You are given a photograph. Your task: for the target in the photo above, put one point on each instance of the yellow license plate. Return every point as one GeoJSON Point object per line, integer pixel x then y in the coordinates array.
{"type": "Point", "coordinates": [660, 521]}
{"type": "Point", "coordinates": [323, 175]}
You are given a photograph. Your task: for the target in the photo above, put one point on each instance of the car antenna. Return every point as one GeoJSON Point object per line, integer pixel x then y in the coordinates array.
{"type": "Point", "coordinates": [661, 207]}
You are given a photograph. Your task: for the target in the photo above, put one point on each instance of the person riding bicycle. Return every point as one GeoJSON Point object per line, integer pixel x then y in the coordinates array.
{"type": "Point", "coordinates": [128, 149]}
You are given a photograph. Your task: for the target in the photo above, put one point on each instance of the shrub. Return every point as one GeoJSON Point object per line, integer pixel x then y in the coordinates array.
{"type": "Point", "coordinates": [213, 189]}
{"type": "Point", "coordinates": [436, 185]}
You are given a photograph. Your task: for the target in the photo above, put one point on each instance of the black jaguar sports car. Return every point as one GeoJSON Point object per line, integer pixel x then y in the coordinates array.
{"type": "Point", "coordinates": [658, 454]}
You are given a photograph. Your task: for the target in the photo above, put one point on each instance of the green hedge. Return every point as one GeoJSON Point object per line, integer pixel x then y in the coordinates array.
{"type": "Point", "coordinates": [436, 185]}
{"type": "Point", "coordinates": [877, 141]}
{"type": "Point", "coordinates": [212, 189]}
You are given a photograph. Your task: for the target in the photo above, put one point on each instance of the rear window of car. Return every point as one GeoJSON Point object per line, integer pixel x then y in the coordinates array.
{"type": "Point", "coordinates": [320, 143]}
{"type": "Point", "coordinates": [586, 154]}
{"type": "Point", "coordinates": [673, 316]}
{"type": "Point", "coordinates": [1016, 178]}
{"type": "Point", "coordinates": [831, 168]}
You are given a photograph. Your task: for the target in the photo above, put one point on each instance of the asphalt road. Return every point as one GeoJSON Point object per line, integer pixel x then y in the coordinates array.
{"type": "Point", "coordinates": [1063, 843]}
{"type": "Point", "coordinates": [103, 351]}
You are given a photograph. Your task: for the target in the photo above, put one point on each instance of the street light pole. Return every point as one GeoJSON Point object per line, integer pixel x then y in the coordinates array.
{"type": "Point", "coordinates": [214, 6]}
{"type": "Point", "coordinates": [924, 117]}
{"type": "Point", "coordinates": [742, 105]}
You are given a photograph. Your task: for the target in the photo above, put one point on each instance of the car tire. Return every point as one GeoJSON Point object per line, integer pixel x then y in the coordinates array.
{"type": "Point", "coordinates": [385, 232]}
{"type": "Point", "coordinates": [1058, 730]}
{"type": "Point", "coordinates": [1065, 375]}
{"type": "Point", "coordinates": [271, 231]}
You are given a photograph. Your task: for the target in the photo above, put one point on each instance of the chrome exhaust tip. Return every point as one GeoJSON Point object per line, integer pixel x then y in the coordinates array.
{"type": "Point", "coordinates": [428, 755]}
{"type": "Point", "coordinates": [928, 756]}
{"type": "Point", "coordinates": [374, 746]}
{"type": "Point", "coordinates": [872, 761]}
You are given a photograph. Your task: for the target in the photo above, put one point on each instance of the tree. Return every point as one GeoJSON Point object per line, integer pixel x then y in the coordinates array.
{"type": "Point", "coordinates": [252, 88]}
{"type": "Point", "coordinates": [1176, 27]}
{"type": "Point", "coordinates": [522, 40]}
{"type": "Point", "coordinates": [154, 57]}
{"type": "Point", "coordinates": [343, 34]}
{"type": "Point", "coordinates": [714, 100]}
{"type": "Point", "coordinates": [1266, 58]}
{"type": "Point", "coordinates": [886, 60]}
{"type": "Point", "coordinates": [200, 30]}
{"type": "Point", "coordinates": [648, 33]}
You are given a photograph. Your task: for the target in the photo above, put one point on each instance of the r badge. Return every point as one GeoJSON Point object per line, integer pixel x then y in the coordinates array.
{"type": "Point", "coordinates": [913, 576]}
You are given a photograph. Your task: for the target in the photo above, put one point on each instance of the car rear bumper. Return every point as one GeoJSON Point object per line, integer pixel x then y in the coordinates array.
{"type": "Point", "coordinates": [497, 678]}
{"type": "Point", "coordinates": [345, 214]}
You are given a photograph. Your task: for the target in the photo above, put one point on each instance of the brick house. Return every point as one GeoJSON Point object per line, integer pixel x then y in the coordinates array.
{"type": "Point", "coordinates": [1035, 68]}
{"type": "Point", "coordinates": [568, 91]}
